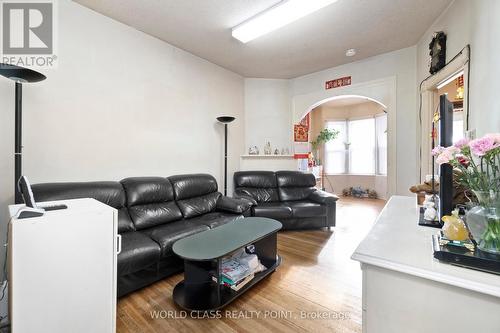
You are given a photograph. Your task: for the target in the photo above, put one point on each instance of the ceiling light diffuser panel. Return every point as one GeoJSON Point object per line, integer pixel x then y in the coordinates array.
{"type": "Point", "coordinates": [276, 17]}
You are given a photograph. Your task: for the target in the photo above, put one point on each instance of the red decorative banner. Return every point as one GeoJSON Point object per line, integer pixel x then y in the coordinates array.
{"type": "Point", "coordinates": [337, 83]}
{"type": "Point", "coordinates": [300, 133]}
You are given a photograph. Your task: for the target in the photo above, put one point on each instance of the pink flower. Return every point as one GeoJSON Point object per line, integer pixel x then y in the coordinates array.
{"type": "Point", "coordinates": [483, 145]}
{"type": "Point", "coordinates": [494, 136]}
{"type": "Point", "coordinates": [437, 150]}
{"type": "Point", "coordinates": [462, 143]}
{"type": "Point", "coordinates": [464, 161]}
{"type": "Point", "coordinates": [447, 154]}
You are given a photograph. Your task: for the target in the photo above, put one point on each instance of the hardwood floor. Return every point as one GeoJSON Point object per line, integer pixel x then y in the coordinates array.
{"type": "Point", "coordinates": [316, 289]}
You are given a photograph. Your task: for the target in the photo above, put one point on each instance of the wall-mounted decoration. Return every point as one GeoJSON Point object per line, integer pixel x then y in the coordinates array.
{"type": "Point", "coordinates": [337, 83]}
{"type": "Point", "coordinates": [437, 48]}
{"type": "Point", "coordinates": [300, 133]}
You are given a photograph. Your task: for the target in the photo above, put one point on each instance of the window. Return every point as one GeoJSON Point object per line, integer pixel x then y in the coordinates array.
{"type": "Point", "coordinates": [360, 148]}
{"type": "Point", "coordinates": [458, 126]}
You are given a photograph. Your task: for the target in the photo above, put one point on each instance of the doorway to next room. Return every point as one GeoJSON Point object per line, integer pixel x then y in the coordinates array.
{"type": "Point", "coordinates": [354, 162]}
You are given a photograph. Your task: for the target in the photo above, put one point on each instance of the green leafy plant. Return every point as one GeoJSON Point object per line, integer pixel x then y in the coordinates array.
{"type": "Point", "coordinates": [323, 137]}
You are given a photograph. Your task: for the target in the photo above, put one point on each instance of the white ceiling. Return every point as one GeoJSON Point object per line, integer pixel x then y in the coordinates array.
{"type": "Point", "coordinates": [313, 43]}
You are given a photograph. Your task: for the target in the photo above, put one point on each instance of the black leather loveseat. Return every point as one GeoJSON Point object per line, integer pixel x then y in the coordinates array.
{"type": "Point", "coordinates": [287, 196]}
{"type": "Point", "coordinates": [153, 213]}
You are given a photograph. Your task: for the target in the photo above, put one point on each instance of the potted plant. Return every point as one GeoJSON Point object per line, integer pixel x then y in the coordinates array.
{"type": "Point", "coordinates": [479, 164]}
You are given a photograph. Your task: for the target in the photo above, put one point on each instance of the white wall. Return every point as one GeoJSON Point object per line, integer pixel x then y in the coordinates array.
{"type": "Point", "coordinates": [267, 113]}
{"type": "Point", "coordinates": [120, 103]}
{"type": "Point", "coordinates": [476, 23]}
{"type": "Point", "coordinates": [400, 64]}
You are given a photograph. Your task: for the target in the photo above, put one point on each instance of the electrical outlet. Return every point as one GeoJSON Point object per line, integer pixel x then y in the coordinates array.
{"type": "Point", "coordinates": [470, 134]}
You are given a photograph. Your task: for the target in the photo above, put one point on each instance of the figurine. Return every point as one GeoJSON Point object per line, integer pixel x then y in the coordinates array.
{"type": "Point", "coordinates": [267, 149]}
{"type": "Point", "coordinates": [253, 150]}
{"type": "Point", "coordinates": [430, 212]}
{"type": "Point", "coordinates": [454, 228]}
{"type": "Point", "coordinates": [283, 151]}
{"type": "Point", "coordinates": [276, 151]}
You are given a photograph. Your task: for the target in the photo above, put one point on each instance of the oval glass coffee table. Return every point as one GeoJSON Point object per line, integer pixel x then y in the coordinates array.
{"type": "Point", "coordinates": [201, 289]}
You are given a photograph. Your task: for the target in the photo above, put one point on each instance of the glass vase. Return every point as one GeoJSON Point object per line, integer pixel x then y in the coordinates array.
{"type": "Point", "coordinates": [483, 221]}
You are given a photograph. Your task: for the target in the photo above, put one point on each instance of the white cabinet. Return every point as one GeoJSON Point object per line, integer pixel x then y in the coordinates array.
{"type": "Point", "coordinates": [406, 290]}
{"type": "Point", "coordinates": [62, 269]}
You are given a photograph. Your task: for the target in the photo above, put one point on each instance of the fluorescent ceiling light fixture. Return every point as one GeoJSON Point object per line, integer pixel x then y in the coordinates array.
{"type": "Point", "coordinates": [451, 78]}
{"type": "Point", "coordinates": [283, 13]}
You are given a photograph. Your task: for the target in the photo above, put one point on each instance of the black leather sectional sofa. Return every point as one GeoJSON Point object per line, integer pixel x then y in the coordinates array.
{"type": "Point", "coordinates": [153, 213]}
{"type": "Point", "coordinates": [287, 196]}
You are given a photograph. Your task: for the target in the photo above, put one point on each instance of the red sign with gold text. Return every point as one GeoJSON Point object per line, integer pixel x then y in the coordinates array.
{"type": "Point", "coordinates": [337, 83]}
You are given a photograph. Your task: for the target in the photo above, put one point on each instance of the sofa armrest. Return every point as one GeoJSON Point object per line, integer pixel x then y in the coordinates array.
{"type": "Point", "coordinates": [242, 195]}
{"type": "Point", "coordinates": [323, 197]}
{"type": "Point", "coordinates": [233, 205]}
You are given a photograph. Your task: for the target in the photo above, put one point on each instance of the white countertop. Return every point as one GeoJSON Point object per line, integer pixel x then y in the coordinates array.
{"type": "Point", "coordinates": [396, 242]}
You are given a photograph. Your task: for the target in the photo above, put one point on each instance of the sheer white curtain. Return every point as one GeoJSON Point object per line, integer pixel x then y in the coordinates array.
{"type": "Point", "coordinates": [381, 130]}
{"type": "Point", "coordinates": [362, 146]}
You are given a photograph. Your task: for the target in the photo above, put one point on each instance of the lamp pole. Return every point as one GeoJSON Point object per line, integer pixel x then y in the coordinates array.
{"type": "Point", "coordinates": [20, 75]}
{"type": "Point", "coordinates": [18, 144]}
{"type": "Point", "coordinates": [225, 120]}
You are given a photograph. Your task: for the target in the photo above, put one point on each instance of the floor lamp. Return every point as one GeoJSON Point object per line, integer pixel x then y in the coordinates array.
{"type": "Point", "coordinates": [225, 120]}
{"type": "Point", "coordinates": [20, 75]}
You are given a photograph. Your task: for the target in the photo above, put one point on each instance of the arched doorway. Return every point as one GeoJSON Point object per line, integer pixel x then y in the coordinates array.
{"type": "Point", "coordinates": [357, 156]}
{"type": "Point", "coordinates": [381, 92]}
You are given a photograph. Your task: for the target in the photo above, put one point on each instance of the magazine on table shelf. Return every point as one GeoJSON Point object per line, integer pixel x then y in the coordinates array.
{"type": "Point", "coordinates": [239, 268]}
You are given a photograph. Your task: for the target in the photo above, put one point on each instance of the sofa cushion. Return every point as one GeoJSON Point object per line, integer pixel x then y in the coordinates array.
{"type": "Point", "coordinates": [193, 185]}
{"type": "Point", "coordinates": [199, 205]}
{"type": "Point", "coordinates": [147, 190]}
{"type": "Point", "coordinates": [150, 201]}
{"type": "Point", "coordinates": [295, 185]}
{"type": "Point", "coordinates": [255, 179]}
{"type": "Point", "coordinates": [109, 193]}
{"type": "Point", "coordinates": [147, 216]}
{"type": "Point", "coordinates": [138, 252]}
{"type": "Point", "coordinates": [260, 185]}
{"type": "Point", "coordinates": [258, 194]}
{"type": "Point", "coordinates": [306, 209]}
{"type": "Point", "coordinates": [166, 235]}
{"type": "Point", "coordinates": [272, 210]}
{"type": "Point", "coordinates": [215, 219]}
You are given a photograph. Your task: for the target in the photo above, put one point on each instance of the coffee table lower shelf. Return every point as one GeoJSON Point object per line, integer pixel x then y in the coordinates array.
{"type": "Point", "coordinates": [210, 296]}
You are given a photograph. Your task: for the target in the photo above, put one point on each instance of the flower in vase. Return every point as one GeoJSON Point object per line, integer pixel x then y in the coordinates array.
{"type": "Point", "coordinates": [464, 161]}
{"type": "Point", "coordinates": [447, 154]}
{"type": "Point", "coordinates": [437, 150]}
{"type": "Point", "coordinates": [462, 143]}
{"type": "Point", "coordinates": [494, 136]}
{"type": "Point", "coordinates": [483, 145]}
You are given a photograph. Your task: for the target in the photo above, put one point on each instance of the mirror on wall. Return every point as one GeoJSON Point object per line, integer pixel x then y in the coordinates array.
{"type": "Point", "coordinates": [453, 88]}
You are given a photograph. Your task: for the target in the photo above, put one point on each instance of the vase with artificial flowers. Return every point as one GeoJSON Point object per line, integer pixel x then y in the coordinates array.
{"type": "Point", "coordinates": [479, 164]}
